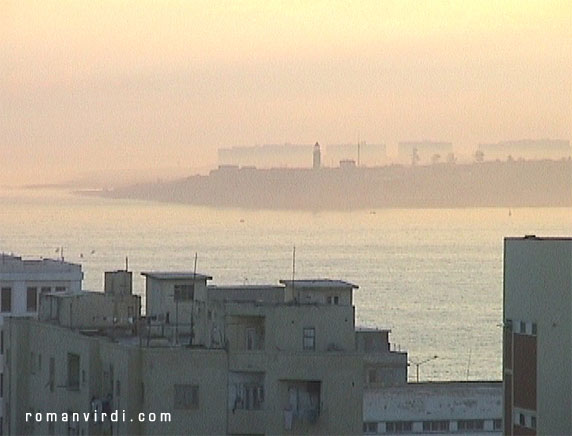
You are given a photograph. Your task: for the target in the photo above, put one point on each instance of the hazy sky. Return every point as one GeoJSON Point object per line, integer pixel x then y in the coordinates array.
{"type": "Point", "coordinates": [90, 85]}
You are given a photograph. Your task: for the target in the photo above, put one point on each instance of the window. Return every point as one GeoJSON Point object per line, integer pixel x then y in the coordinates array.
{"type": "Point", "coordinates": [370, 427]}
{"type": "Point", "coordinates": [435, 426]}
{"type": "Point", "coordinates": [251, 339]}
{"type": "Point", "coordinates": [52, 374]}
{"type": "Point", "coordinates": [6, 300]}
{"type": "Point", "coordinates": [32, 300]}
{"type": "Point", "coordinates": [184, 292]}
{"type": "Point", "coordinates": [522, 420]}
{"type": "Point", "coordinates": [1, 341]}
{"type": "Point", "coordinates": [73, 371]}
{"type": "Point", "coordinates": [534, 328]}
{"type": "Point", "coordinates": [372, 375]}
{"type": "Point", "coordinates": [497, 424]}
{"type": "Point", "coordinates": [471, 424]}
{"type": "Point", "coordinates": [249, 396]}
{"type": "Point", "coordinates": [186, 397]}
{"type": "Point", "coordinates": [398, 427]}
{"type": "Point", "coordinates": [333, 299]}
{"type": "Point", "coordinates": [309, 338]}
{"type": "Point", "coordinates": [60, 288]}
{"type": "Point", "coordinates": [522, 327]}
{"type": "Point", "coordinates": [533, 421]}
{"type": "Point", "coordinates": [45, 290]}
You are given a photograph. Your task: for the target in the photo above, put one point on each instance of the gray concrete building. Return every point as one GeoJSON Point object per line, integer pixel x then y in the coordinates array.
{"type": "Point", "coordinates": [204, 360]}
{"type": "Point", "coordinates": [436, 407]}
{"type": "Point", "coordinates": [537, 343]}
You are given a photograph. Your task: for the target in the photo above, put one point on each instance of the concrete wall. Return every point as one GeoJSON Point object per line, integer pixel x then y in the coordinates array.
{"type": "Point", "coordinates": [538, 289]}
{"type": "Point", "coordinates": [416, 403]}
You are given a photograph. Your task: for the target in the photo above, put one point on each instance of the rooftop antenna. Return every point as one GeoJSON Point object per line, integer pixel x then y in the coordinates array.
{"type": "Point", "coordinates": [293, 271]}
{"type": "Point", "coordinates": [192, 332]}
{"type": "Point", "coordinates": [195, 267]}
{"type": "Point", "coordinates": [469, 363]}
{"type": "Point", "coordinates": [358, 144]}
{"type": "Point", "coordinates": [126, 263]}
{"type": "Point", "coordinates": [293, 264]}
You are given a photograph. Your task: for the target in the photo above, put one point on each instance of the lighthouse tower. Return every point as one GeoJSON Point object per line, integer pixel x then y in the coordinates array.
{"type": "Point", "coordinates": [317, 157]}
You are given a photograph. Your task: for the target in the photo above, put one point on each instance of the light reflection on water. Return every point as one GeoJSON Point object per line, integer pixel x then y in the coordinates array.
{"type": "Point", "coordinates": [433, 276]}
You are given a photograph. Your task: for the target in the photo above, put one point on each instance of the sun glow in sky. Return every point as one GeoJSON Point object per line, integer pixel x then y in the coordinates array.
{"type": "Point", "coordinates": [134, 84]}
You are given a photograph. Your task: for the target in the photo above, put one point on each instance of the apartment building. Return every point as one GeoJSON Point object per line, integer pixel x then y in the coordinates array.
{"type": "Point", "coordinates": [22, 281]}
{"type": "Point", "coordinates": [436, 407]}
{"type": "Point", "coordinates": [537, 343]}
{"type": "Point", "coordinates": [282, 359]}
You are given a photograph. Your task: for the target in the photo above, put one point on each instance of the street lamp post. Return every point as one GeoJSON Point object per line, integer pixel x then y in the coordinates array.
{"type": "Point", "coordinates": [418, 364]}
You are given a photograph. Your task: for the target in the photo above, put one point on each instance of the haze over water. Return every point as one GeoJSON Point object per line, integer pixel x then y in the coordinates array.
{"type": "Point", "coordinates": [434, 276]}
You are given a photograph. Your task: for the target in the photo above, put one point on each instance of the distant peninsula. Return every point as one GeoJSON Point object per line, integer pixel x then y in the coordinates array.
{"type": "Point", "coordinates": [518, 183]}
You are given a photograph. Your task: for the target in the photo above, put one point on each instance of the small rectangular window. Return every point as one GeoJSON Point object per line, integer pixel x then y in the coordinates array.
{"type": "Point", "coordinates": [533, 421]}
{"type": "Point", "coordinates": [60, 288]}
{"type": "Point", "coordinates": [52, 374]}
{"type": "Point", "coordinates": [309, 338]}
{"type": "Point", "coordinates": [522, 420]}
{"type": "Point", "coordinates": [336, 300]}
{"type": "Point", "coordinates": [32, 299]}
{"type": "Point", "coordinates": [73, 371]}
{"type": "Point", "coordinates": [534, 328]}
{"type": "Point", "coordinates": [370, 427]}
{"type": "Point", "coordinates": [522, 327]}
{"type": "Point", "coordinates": [372, 375]}
{"type": "Point", "coordinates": [6, 300]}
{"type": "Point", "coordinates": [45, 290]}
{"type": "Point", "coordinates": [184, 292]}
{"type": "Point", "coordinates": [497, 424]}
{"type": "Point", "coordinates": [186, 397]}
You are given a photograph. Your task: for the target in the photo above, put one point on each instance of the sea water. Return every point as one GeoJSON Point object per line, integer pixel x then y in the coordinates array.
{"type": "Point", "coordinates": [433, 276]}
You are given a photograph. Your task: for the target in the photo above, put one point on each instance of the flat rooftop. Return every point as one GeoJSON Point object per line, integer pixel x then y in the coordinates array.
{"type": "Point", "coordinates": [371, 329]}
{"type": "Point", "coordinates": [175, 275]}
{"type": "Point", "coordinates": [244, 287]}
{"type": "Point", "coordinates": [14, 264]}
{"type": "Point", "coordinates": [538, 238]}
{"type": "Point", "coordinates": [319, 283]}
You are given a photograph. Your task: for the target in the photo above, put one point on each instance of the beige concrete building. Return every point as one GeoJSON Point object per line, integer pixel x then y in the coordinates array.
{"type": "Point", "coordinates": [537, 344]}
{"type": "Point", "coordinates": [205, 360]}
{"type": "Point", "coordinates": [22, 283]}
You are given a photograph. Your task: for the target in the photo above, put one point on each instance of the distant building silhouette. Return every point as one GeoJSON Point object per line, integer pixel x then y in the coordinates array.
{"type": "Point", "coordinates": [363, 154]}
{"type": "Point", "coordinates": [317, 161]}
{"type": "Point", "coordinates": [425, 151]}
{"type": "Point", "coordinates": [267, 156]}
{"type": "Point", "coordinates": [527, 149]}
